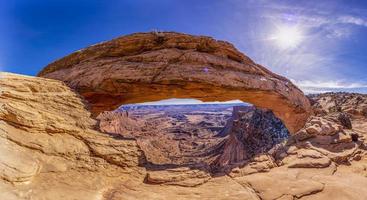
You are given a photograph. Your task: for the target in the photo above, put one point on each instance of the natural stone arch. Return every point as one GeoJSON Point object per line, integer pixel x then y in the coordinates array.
{"type": "Point", "coordinates": [153, 66]}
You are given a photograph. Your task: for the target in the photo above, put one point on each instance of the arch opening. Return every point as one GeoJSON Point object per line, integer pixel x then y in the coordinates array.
{"type": "Point", "coordinates": [188, 132]}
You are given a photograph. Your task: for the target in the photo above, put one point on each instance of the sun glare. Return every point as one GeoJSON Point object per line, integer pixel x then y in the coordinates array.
{"type": "Point", "coordinates": [288, 37]}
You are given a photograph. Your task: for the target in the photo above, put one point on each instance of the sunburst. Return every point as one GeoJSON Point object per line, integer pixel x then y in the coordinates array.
{"type": "Point", "coordinates": [287, 37]}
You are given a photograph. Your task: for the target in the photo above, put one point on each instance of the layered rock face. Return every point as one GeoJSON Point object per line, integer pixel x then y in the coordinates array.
{"type": "Point", "coordinates": [120, 123]}
{"type": "Point", "coordinates": [250, 132]}
{"type": "Point", "coordinates": [48, 144]}
{"type": "Point", "coordinates": [153, 66]}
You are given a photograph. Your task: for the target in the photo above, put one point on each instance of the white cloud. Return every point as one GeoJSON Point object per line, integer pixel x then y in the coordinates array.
{"type": "Point", "coordinates": [329, 84]}
{"type": "Point", "coordinates": [348, 19]}
{"type": "Point", "coordinates": [338, 32]}
{"type": "Point", "coordinates": [309, 86]}
{"type": "Point", "coordinates": [334, 25]}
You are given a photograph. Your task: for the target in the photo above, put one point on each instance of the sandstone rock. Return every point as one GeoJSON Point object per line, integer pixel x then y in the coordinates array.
{"type": "Point", "coordinates": [350, 188]}
{"type": "Point", "coordinates": [221, 188]}
{"type": "Point", "coordinates": [147, 67]}
{"type": "Point", "coordinates": [119, 123]}
{"type": "Point", "coordinates": [330, 133]}
{"type": "Point", "coordinates": [314, 129]}
{"type": "Point", "coordinates": [351, 103]}
{"type": "Point", "coordinates": [301, 135]}
{"type": "Point", "coordinates": [276, 185]}
{"type": "Point", "coordinates": [252, 131]}
{"type": "Point", "coordinates": [345, 120]}
{"type": "Point", "coordinates": [301, 183]}
{"type": "Point", "coordinates": [260, 163]}
{"type": "Point", "coordinates": [357, 166]}
{"type": "Point", "coordinates": [178, 176]}
{"type": "Point", "coordinates": [308, 159]}
{"type": "Point", "coordinates": [17, 165]}
{"type": "Point", "coordinates": [338, 153]}
{"type": "Point", "coordinates": [322, 126]}
{"type": "Point", "coordinates": [45, 127]}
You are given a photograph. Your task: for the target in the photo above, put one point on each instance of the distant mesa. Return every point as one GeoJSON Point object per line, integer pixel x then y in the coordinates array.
{"type": "Point", "coordinates": [146, 67]}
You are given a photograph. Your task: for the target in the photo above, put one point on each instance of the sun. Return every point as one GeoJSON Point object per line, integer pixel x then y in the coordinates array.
{"type": "Point", "coordinates": [288, 37]}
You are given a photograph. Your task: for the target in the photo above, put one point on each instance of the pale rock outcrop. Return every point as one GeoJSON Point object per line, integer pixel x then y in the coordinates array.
{"type": "Point", "coordinates": [306, 183]}
{"type": "Point", "coordinates": [260, 163]}
{"type": "Point", "coordinates": [45, 130]}
{"type": "Point", "coordinates": [221, 188]}
{"type": "Point", "coordinates": [17, 165]}
{"type": "Point", "coordinates": [182, 176]}
{"type": "Point", "coordinates": [281, 184]}
{"type": "Point", "coordinates": [306, 158]}
{"type": "Point", "coordinates": [47, 117]}
{"type": "Point", "coordinates": [322, 126]}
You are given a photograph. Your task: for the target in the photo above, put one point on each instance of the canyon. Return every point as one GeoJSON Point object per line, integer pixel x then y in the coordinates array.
{"type": "Point", "coordinates": [212, 137]}
{"type": "Point", "coordinates": [65, 136]}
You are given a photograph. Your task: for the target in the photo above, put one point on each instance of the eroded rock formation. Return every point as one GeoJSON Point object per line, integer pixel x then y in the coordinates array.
{"type": "Point", "coordinates": [153, 66]}
{"type": "Point", "coordinates": [351, 103]}
{"type": "Point", "coordinates": [47, 135]}
{"type": "Point", "coordinates": [119, 123]}
{"type": "Point", "coordinates": [250, 132]}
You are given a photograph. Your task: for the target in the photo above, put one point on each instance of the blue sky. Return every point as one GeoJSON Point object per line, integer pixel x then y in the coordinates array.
{"type": "Point", "coordinates": [319, 45]}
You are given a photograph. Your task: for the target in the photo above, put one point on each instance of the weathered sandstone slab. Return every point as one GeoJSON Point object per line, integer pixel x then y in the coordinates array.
{"type": "Point", "coordinates": [45, 127]}
{"type": "Point", "coordinates": [183, 176]}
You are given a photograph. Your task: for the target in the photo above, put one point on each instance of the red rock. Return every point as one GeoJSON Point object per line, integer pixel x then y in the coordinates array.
{"type": "Point", "coordinates": [148, 67]}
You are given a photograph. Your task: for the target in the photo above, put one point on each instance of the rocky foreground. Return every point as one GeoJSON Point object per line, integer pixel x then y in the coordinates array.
{"type": "Point", "coordinates": [52, 149]}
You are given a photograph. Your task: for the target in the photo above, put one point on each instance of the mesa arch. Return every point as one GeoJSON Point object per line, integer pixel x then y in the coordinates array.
{"type": "Point", "coordinates": [145, 67]}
